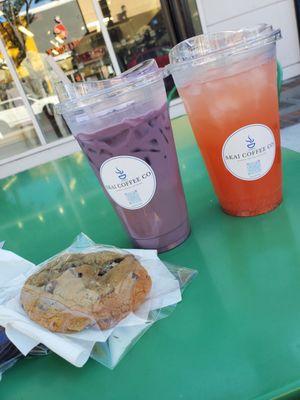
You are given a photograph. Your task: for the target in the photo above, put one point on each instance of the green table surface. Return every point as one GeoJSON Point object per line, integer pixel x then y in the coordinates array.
{"type": "Point", "coordinates": [236, 334]}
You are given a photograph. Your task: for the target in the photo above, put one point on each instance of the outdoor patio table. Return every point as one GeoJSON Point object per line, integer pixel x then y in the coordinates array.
{"type": "Point", "coordinates": [236, 335]}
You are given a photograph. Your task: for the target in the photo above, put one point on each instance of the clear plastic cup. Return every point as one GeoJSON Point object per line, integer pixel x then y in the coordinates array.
{"type": "Point", "coordinates": [123, 127]}
{"type": "Point", "coordinates": [227, 81]}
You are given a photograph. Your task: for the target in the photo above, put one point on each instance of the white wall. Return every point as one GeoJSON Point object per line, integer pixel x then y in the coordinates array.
{"type": "Point", "coordinates": [233, 14]}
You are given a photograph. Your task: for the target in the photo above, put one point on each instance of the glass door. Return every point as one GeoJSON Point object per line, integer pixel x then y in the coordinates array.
{"type": "Point", "coordinates": [17, 133]}
{"type": "Point", "coordinates": [46, 34]}
{"type": "Point", "coordinates": [43, 41]}
{"type": "Point", "coordinates": [145, 29]}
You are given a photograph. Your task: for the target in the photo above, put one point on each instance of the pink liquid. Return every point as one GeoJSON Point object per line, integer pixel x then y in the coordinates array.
{"type": "Point", "coordinates": [219, 107]}
{"type": "Point", "coordinates": [162, 223]}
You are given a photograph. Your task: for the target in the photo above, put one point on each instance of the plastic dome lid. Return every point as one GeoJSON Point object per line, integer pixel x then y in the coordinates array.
{"type": "Point", "coordinates": [214, 46]}
{"type": "Point", "coordinates": [80, 94]}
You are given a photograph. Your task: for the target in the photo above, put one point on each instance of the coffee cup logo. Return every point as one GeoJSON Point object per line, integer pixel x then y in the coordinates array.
{"type": "Point", "coordinates": [250, 142]}
{"type": "Point", "coordinates": [249, 152]}
{"type": "Point", "coordinates": [121, 174]}
{"type": "Point", "coordinates": [129, 181]}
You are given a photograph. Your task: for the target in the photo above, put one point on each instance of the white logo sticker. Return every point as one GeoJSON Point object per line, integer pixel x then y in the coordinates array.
{"type": "Point", "coordinates": [129, 181]}
{"type": "Point", "coordinates": [249, 152]}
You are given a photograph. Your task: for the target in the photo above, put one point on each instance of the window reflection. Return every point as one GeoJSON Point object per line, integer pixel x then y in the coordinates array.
{"type": "Point", "coordinates": [145, 29]}
{"type": "Point", "coordinates": [192, 4]}
{"type": "Point", "coordinates": [68, 31]}
{"type": "Point", "coordinates": [67, 34]}
{"type": "Point", "coordinates": [138, 32]}
{"type": "Point", "coordinates": [16, 130]}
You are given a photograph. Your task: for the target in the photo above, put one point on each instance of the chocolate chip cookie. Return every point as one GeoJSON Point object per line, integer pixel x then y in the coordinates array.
{"type": "Point", "coordinates": [74, 291]}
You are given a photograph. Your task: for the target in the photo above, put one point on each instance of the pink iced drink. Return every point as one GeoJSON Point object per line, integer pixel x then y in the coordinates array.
{"type": "Point", "coordinates": [162, 223]}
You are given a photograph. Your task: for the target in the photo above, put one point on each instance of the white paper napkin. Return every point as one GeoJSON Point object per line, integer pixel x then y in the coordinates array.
{"type": "Point", "coordinates": [76, 348]}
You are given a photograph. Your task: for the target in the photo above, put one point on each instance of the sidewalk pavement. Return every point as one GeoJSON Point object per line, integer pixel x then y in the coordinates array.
{"type": "Point", "coordinates": [290, 114]}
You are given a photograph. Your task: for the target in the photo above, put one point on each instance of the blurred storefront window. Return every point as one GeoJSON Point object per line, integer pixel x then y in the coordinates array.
{"type": "Point", "coordinates": [17, 133]}
{"type": "Point", "coordinates": [68, 31]}
{"type": "Point", "coordinates": [148, 29]}
{"type": "Point", "coordinates": [48, 39]}
{"type": "Point", "coordinates": [192, 4]}
{"type": "Point", "coordinates": [145, 28]}
{"type": "Point", "coordinates": [138, 32]}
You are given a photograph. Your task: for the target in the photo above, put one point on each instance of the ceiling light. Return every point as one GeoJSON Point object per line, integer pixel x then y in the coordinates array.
{"type": "Point", "coordinates": [25, 31]}
{"type": "Point", "coordinates": [92, 24]}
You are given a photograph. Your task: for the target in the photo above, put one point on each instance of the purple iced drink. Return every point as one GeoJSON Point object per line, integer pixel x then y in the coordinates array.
{"type": "Point", "coordinates": [135, 162]}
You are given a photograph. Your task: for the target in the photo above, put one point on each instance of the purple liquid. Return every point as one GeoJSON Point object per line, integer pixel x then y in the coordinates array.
{"type": "Point", "coordinates": [162, 223]}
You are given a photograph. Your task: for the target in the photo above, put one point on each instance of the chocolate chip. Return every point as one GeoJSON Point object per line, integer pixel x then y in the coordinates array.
{"type": "Point", "coordinates": [50, 286]}
{"type": "Point", "coordinates": [118, 260]}
{"type": "Point", "coordinates": [147, 160]}
{"type": "Point", "coordinates": [109, 265]}
{"type": "Point", "coordinates": [42, 307]}
{"type": "Point", "coordinates": [134, 276]}
{"type": "Point", "coordinates": [79, 274]}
